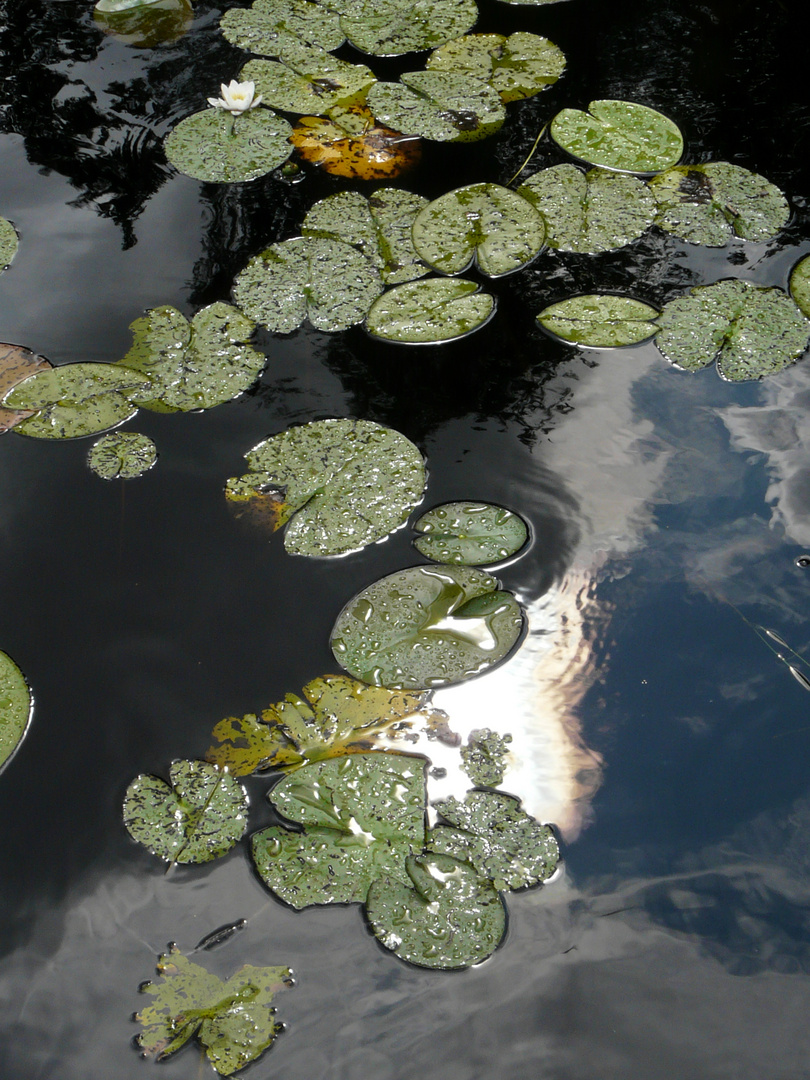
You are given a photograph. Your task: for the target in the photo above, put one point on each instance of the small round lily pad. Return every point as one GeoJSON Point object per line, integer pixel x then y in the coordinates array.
{"type": "Point", "coordinates": [214, 146]}
{"type": "Point", "coordinates": [122, 454]}
{"type": "Point", "coordinates": [15, 707]}
{"type": "Point", "coordinates": [619, 135]}
{"type": "Point", "coordinates": [430, 312]}
{"type": "Point", "coordinates": [517, 66]}
{"type": "Point", "coordinates": [800, 285]}
{"type": "Point", "coordinates": [9, 242]}
{"type": "Point", "coordinates": [470, 533]}
{"type": "Point", "coordinates": [600, 320]}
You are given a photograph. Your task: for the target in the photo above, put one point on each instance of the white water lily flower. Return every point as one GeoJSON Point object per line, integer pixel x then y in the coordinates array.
{"type": "Point", "coordinates": [236, 97]}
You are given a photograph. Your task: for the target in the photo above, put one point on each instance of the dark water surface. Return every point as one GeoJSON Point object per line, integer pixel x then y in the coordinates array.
{"type": "Point", "coordinates": [666, 742]}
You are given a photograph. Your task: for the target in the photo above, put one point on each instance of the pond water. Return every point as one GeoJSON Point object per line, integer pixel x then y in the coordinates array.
{"type": "Point", "coordinates": [651, 724]}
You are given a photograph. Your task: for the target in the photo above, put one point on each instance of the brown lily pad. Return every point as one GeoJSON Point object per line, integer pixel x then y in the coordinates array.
{"type": "Point", "coordinates": [350, 142]}
{"type": "Point", "coordinates": [16, 364]}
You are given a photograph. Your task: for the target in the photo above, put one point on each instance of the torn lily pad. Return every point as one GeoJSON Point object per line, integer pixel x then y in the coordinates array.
{"type": "Point", "coordinates": [708, 204]}
{"type": "Point", "coordinates": [589, 212]}
{"type": "Point", "coordinates": [16, 706]}
{"type": "Point", "coordinates": [306, 80]}
{"type": "Point", "coordinates": [487, 224]}
{"type": "Point", "coordinates": [470, 533]}
{"type": "Point", "coordinates": [799, 285]}
{"type": "Point", "coordinates": [751, 331]}
{"type": "Point", "coordinates": [9, 242]}
{"type": "Point", "coordinates": [219, 148]}
{"type": "Point", "coordinates": [363, 816]}
{"type": "Point", "coordinates": [484, 757]}
{"type": "Point", "coordinates": [328, 282]}
{"type": "Point", "coordinates": [446, 917]}
{"type": "Point", "coordinates": [378, 226]}
{"type": "Point", "coordinates": [444, 106]}
{"type": "Point", "coordinates": [122, 455]}
{"type": "Point", "coordinates": [338, 485]}
{"type": "Point", "coordinates": [74, 400]}
{"type": "Point", "coordinates": [268, 26]}
{"type": "Point", "coordinates": [425, 627]}
{"type": "Point", "coordinates": [619, 135]}
{"type": "Point", "coordinates": [430, 312]}
{"type": "Point", "coordinates": [16, 364]}
{"type": "Point", "coordinates": [600, 320]}
{"type": "Point", "coordinates": [395, 27]}
{"type": "Point", "coordinates": [518, 66]}
{"type": "Point", "coordinates": [498, 837]}
{"type": "Point", "coordinates": [196, 817]}
{"type": "Point", "coordinates": [234, 1019]}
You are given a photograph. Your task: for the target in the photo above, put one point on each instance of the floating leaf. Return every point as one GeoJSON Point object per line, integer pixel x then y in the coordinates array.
{"type": "Point", "coordinates": [233, 1019]}
{"type": "Point", "coordinates": [446, 917]}
{"type": "Point", "coordinates": [482, 223]}
{"type": "Point", "coordinates": [498, 837]}
{"type": "Point", "coordinates": [426, 626]}
{"type": "Point", "coordinates": [430, 312]}
{"type": "Point", "coordinates": [517, 66]}
{"type": "Point", "coordinates": [197, 817]}
{"type": "Point", "coordinates": [16, 364]}
{"type": "Point", "coordinates": [708, 204]}
{"type": "Point", "coordinates": [372, 152]}
{"type": "Point", "coordinates": [306, 80]}
{"type": "Point", "coordinates": [600, 320]}
{"type": "Point", "coordinates": [440, 105]}
{"type": "Point", "coordinates": [620, 135]}
{"type": "Point", "coordinates": [268, 26]}
{"type": "Point", "coordinates": [749, 330]}
{"type": "Point", "coordinates": [75, 399]}
{"type": "Point", "coordinates": [342, 484]}
{"type": "Point", "coordinates": [589, 212]}
{"type": "Point", "coordinates": [484, 757]}
{"type": "Point", "coordinates": [125, 454]}
{"type": "Point", "coordinates": [326, 281]}
{"type": "Point", "coordinates": [15, 707]}
{"type": "Point", "coordinates": [379, 227]}
{"type": "Point", "coordinates": [394, 27]}
{"type": "Point", "coordinates": [144, 23]}
{"type": "Point", "coordinates": [215, 146]}
{"type": "Point", "coordinates": [364, 815]}
{"type": "Point", "coordinates": [799, 285]}
{"type": "Point", "coordinates": [9, 242]}
{"type": "Point", "coordinates": [470, 533]}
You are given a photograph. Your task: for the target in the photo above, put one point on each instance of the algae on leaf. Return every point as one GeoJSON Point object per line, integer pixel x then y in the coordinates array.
{"type": "Point", "coordinates": [800, 285]}
{"type": "Point", "coordinates": [444, 106]}
{"type": "Point", "coordinates": [518, 66]}
{"type": "Point", "coordinates": [484, 757]}
{"type": "Point", "coordinates": [600, 320]}
{"type": "Point", "coordinates": [620, 135]}
{"type": "Point", "coordinates": [214, 146]}
{"type": "Point", "coordinates": [395, 27]}
{"type": "Point", "coordinates": [123, 455]}
{"type": "Point", "coordinates": [470, 533]}
{"type": "Point", "coordinates": [16, 706]}
{"type": "Point", "coordinates": [430, 312]}
{"type": "Point", "coordinates": [9, 242]}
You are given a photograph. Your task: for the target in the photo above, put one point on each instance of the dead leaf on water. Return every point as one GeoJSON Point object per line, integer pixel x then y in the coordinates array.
{"type": "Point", "coordinates": [16, 364]}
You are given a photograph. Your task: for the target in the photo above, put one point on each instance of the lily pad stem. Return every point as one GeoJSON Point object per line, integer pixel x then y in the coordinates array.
{"type": "Point", "coordinates": [529, 158]}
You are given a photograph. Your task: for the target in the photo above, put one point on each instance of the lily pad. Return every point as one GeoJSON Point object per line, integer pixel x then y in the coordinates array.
{"type": "Point", "coordinates": [619, 135]}
{"type": "Point", "coordinates": [268, 26]}
{"type": "Point", "coordinates": [74, 400]}
{"type": "Point", "coordinates": [799, 285]}
{"type": "Point", "coordinates": [749, 330]}
{"type": "Point", "coordinates": [125, 454]}
{"type": "Point", "coordinates": [589, 212]}
{"type": "Point", "coordinates": [16, 364]}
{"type": "Point", "coordinates": [197, 817]}
{"type": "Point", "coordinates": [447, 916]}
{"type": "Point", "coordinates": [425, 627]}
{"type": "Point", "coordinates": [498, 837]}
{"type": "Point", "coordinates": [340, 484]}
{"type": "Point", "coordinates": [364, 815]}
{"type": "Point", "coordinates": [197, 365]}
{"type": "Point", "coordinates": [395, 27]}
{"type": "Point", "coordinates": [379, 227]}
{"type": "Point", "coordinates": [364, 152]}
{"type": "Point", "coordinates": [470, 533]}
{"type": "Point", "coordinates": [708, 204]}
{"type": "Point", "coordinates": [16, 706]}
{"type": "Point", "coordinates": [518, 66]}
{"type": "Point", "coordinates": [484, 757]}
{"type": "Point", "coordinates": [430, 312]}
{"type": "Point", "coordinates": [327, 282]}
{"type": "Point", "coordinates": [214, 146]}
{"type": "Point", "coordinates": [306, 80]}
{"type": "Point", "coordinates": [444, 106]}
{"type": "Point", "coordinates": [600, 320]}
{"type": "Point", "coordinates": [9, 242]}
{"type": "Point", "coordinates": [482, 223]}
{"type": "Point", "coordinates": [234, 1019]}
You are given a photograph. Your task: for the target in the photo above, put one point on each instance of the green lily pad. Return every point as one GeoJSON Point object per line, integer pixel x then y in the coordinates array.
{"type": "Point", "coordinates": [125, 454]}
{"type": "Point", "coordinates": [379, 227]}
{"type": "Point", "coordinates": [482, 223]}
{"type": "Point", "coordinates": [470, 533]}
{"type": "Point", "coordinates": [364, 815]}
{"type": "Point", "coordinates": [425, 627]}
{"type": "Point", "coordinates": [338, 485]}
{"type": "Point", "coordinates": [749, 330]}
{"type": "Point", "coordinates": [306, 80]}
{"type": "Point", "coordinates": [498, 837]}
{"type": "Point", "coordinates": [430, 312]}
{"type": "Point", "coordinates": [268, 26]}
{"type": "Point", "coordinates": [447, 916]}
{"type": "Point", "coordinates": [9, 242]}
{"type": "Point", "coordinates": [16, 707]}
{"type": "Point", "coordinates": [600, 320]}
{"type": "Point", "coordinates": [326, 281]}
{"type": "Point", "coordinates": [483, 759]}
{"type": "Point", "coordinates": [197, 365]}
{"type": "Point", "coordinates": [708, 204]}
{"type": "Point", "coordinates": [395, 27]}
{"type": "Point", "coordinates": [234, 1019]}
{"type": "Point", "coordinates": [518, 66]}
{"type": "Point", "coordinates": [619, 135]}
{"type": "Point", "coordinates": [589, 212]}
{"type": "Point", "coordinates": [214, 146]}
{"type": "Point", "coordinates": [444, 106]}
{"type": "Point", "coordinates": [74, 400]}
{"type": "Point", "coordinates": [800, 285]}
{"type": "Point", "coordinates": [197, 817]}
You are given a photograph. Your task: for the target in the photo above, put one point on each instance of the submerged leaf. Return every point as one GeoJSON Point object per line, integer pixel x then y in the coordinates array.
{"type": "Point", "coordinates": [395, 27]}
{"type": "Point", "coordinates": [484, 757]}
{"type": "Point", "coordinates": [345, 483]}
{"type": "Point", "coordinates": [800, 285]}
{"type": "Point", "coordinates": [16, 364]}
{"type": "Point", "coordinates": [470, 533]}
{"type": "Point", "coordinates": [15, 707]}
{"type": "Point", "coordinates": [620, 135]}
{"type": "Point", "coordinates": [440, 105]}
{"type": "Point", "coordinates": [426, 626]}
{"type": "Point", "coordinates": [430, 312]}
{"type": "Point", "coordinates": [600, 320]}
{"type": "Point", "coordinates": [123, 455]}
{"type": "Point", "coordinates": [212, 145]}
{"type": "Point", "coordinates": [306, 80]}
{"type": "Point", "coordinates": [517, 66]}
{"type": "Point", "coordinates": [144, 23]}
{"type": "Point", "coordinates": [9, 242]}
{"type": "Point", "coordinates": [268, 26]}
{"type": "Point", "coordinates": [197, 817]}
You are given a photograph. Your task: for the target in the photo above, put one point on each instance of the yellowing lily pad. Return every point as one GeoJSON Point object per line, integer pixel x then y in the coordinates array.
{"type": "Point", "coordinates": [16, 706]}
{"type": "Point", "coordinates": [214, 146]}
{"type": "Point", "coordinates": [306, 80]}
{"type": "Point", "coordinates": [268, 26]}
{"type": "Point", "coordinates": [444, 106]}
{"type": "Point", "coordinates": [16, 364]}
{"type": "Point", "coordinates": [395, 27]}
{"type": "Point", "coordinates": [620, 135]}
{"type": "Point", "coordinates": [470, 533]}
{"type": "Point", "coordinates": [430, 312]}
{"type": "Point", "coordinates": [373, 152]}
{"type": "Point", "coordinates": [123, 454]}
{"type": "Point", "coordinates": [9, 242]}
{"type": "Point", "coordinates": [518, 66]}
{"type": "Point", "coordinates": [600, 320]}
